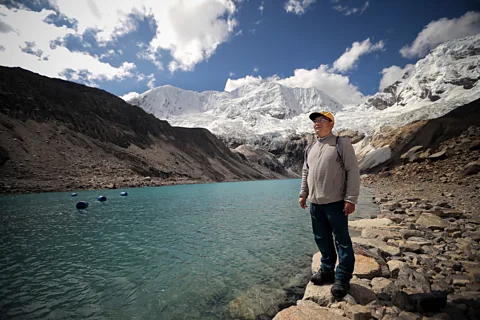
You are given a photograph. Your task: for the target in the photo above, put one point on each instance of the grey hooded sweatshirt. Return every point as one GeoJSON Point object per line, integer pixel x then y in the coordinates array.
{"type": "Point", "coordinates": [323, 178]}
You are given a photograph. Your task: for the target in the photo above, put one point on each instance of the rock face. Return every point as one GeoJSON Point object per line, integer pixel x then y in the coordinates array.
{"type": "Point", "coordinates": [59, 135]}
{"type": "Point", "coordinates": [422, 141]}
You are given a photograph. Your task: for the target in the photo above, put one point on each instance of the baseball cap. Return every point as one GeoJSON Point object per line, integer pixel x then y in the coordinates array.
{"type": "Point", "coordinates": [325, 114]}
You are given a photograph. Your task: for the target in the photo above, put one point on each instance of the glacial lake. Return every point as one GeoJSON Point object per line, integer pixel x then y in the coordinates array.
{"type": "Point", "coordinates": [175, 252]}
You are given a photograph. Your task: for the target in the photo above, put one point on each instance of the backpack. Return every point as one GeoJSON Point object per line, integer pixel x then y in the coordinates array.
{"type": "Point", "coordinates": [337, 145]}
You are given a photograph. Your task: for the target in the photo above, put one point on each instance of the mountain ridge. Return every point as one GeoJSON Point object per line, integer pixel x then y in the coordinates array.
{"type": "Point", "coordinates": [59, 135]}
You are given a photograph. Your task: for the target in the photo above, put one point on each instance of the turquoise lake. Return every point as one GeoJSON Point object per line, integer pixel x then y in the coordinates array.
{"type": "Point", "coordinates": [176, 252]}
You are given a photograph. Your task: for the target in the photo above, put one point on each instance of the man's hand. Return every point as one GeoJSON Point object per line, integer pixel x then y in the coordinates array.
{"type": "Point", "coordinates": [349, 208]}
{"type": "Point", "coordinates": [303, 202]}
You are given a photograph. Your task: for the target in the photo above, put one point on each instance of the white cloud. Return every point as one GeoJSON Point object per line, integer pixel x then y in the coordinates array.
{"type": "Point", "coordinates": [349, 11]}
{"type": "Point", "coordinates": [298, 7]}
{"type": "Point", "coordinates": [335, 85]}
{"type": "Point", "coordinates": [439, 31]}
{"type": "Point", "coordinates": [262, 7]}
{"type": "Point", "coordinates": [350, 57]}
{"type": "Point", "coordinates": [237, 83]}
{"type": "Point", "coordinates": [188, 43]}
{"type": "Point", "coordinates": [231, 74]}
{"type": "Point", "coordinates": [28, 48]}
{"type": "Point", "coordinates": [151, 81]}
{"type": "Point", "coordinates": [130, 96]}
{"type": "Point", "coordinates": [393, 74]}
{"type": "Point", "coordinates": [256, 69]}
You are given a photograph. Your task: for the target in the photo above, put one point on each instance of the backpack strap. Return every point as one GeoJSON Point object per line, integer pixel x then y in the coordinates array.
{"type": "Point", "coordinates": [307, 150]}
{"type": "Point", "coordinates": [338, 147]}
{"type": "Point", "coordinates": [339, 152]}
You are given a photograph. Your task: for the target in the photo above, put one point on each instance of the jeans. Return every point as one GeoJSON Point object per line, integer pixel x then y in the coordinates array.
{"type": "Point", "coordinates": [328, 219]}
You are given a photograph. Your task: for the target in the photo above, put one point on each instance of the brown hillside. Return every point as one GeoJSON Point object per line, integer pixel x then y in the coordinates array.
{"type": "Point", "coordinates": [59, 135]}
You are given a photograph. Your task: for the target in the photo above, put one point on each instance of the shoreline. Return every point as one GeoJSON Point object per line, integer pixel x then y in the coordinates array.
{"type": "Point", "coordinates": [23, 186]}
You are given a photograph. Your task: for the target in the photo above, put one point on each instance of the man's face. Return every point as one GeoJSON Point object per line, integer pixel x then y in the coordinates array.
{"type": "Point", "coordinates": [323, 126]}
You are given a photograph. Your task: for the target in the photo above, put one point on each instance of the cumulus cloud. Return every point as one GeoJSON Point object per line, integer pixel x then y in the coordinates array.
{"type": "Point", "coordinates": [298, 7]}
{"type": "Point", "coordinates": [393, 74]}
{"type": "Point", "coordinates": [187, 44]}
{"type": "Point", "coordinates": [348, 60]}
{"type": "Point", "coordinates": [439, 31]}
{"type": "Point", "coordinates": [335, 85]}
{"type": "Point", "coordinates": [130, 96]}
{"type": "Point", "coordinates": [237, 83]}
{"type": "Point", "coordinates": [346, 10]}
{"type": "Point", "coordinates": [26, 45]}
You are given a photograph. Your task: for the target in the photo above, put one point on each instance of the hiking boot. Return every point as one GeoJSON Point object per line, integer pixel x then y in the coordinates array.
{"type": "Point", "coordinates": [340, 289]}
{"type": "Point", "coordinates": [321, 277]}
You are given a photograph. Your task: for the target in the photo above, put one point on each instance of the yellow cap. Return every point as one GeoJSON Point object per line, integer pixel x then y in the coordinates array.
{"type": "Point", "coordinates": [325, 114]}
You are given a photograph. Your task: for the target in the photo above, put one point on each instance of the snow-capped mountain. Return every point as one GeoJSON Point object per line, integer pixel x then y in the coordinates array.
{"type": "Point", "coordinates": [446, 78]}
{"type": "Point", "coordinates": [245, 113]}
{"type": "Point", "coordinates": [442, 74]}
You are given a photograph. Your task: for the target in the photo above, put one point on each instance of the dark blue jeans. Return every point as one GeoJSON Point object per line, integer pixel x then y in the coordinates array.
{"type": "Point", "coordinates": [329, 222]}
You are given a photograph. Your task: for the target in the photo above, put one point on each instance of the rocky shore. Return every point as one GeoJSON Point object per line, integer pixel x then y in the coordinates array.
{"type": "Point", "coordinates": [417, 260]}
{"type": "Point", "coordinates": [420, 257]}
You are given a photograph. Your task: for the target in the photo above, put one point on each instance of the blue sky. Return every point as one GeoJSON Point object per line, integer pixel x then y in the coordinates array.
{"type": "Point", "coordinates": [343, 47]}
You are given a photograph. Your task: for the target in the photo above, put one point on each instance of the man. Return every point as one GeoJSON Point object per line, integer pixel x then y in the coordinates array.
{"type": "Point", "coordinates": [331, 182]}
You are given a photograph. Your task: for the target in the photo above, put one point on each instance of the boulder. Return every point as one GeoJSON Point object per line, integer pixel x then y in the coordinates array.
{"type": "Point", "coordinates": [381, 234]}
{"type": "Point", "coordinates": [395, 266]}
{"type": "Point", "coordinates": [404, 315]}
{"type": "Point", "coordinates": [412, 154]}
{"type": "Point", "coordinates": [431, 221]}
{"type": "Point", "coordinates": [307, 311]}
{"type": "Point", "coordinates": [383, 285]}
{"type": "Point", "coordinates": [421, 302]}
{"type": "Point", "coordinates": [323, 296]}
{"type": "Point", "coordinates": [472, 168]}
{"type": "Point", "coordinates": [407, 233]}
{"type": "Point", "coordinates": [258, 300]}
{"type": "Point", "coordinates": [364, 223]}
{"type": "Point", "coordinates": [375, 158]}
{"type": "Point", "coordinates": [475, 145]}
{"type": "Point", "coordinates": [410, 246]}
{"type": "Point", "coordinates": [408, 278]}
{"type": "Point", "coordinates": [385, 249]}
{"type": "Point", "coordinates": [358, 312]}
{"type": "Point", "coordinates": [367, 264]}
{"type": "Point", "coordinates": [318, 294]}
{"type": "Point", "coordinates": [439, 155]}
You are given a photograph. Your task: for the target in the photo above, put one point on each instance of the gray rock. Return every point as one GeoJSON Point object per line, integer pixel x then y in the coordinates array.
{"type": "Point", "coordinates": [358, 312]}
{"type": "Point", "coordinates": [408, 278]}
{"type": "Point", "coordinates": [410, 246]}
{"type": "Point", "coordinates": [431, 221]}
{"type": "Point", "coordinates": [404, 315]}
{"type": "Point", "coordinates": [385, 249]}
{"type": "Point", "coordinates": [395, 266]}
{"type": "Point", "coordinates": [307, 311]}
{"type": "Point", "coordinates": [363, 223]}
{"type": "Point", "coordinates": [420, 302]}
{"type": "Point", "coordinates": [382, 234]}
{"type": "Point", "coordinates": [472, 168]}
{"type": "Point", "coordinates": [406, 233]}
{"type": "Point", "coordinates": [439, 155]}
{"type": "Point", "coordinates": [383, 285]}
